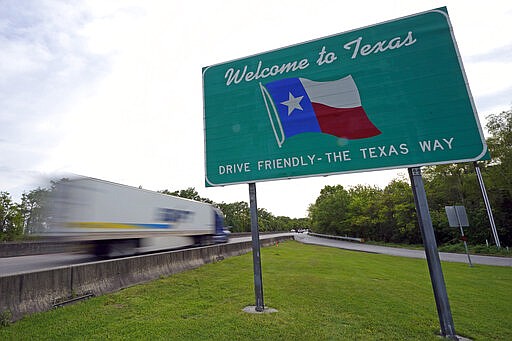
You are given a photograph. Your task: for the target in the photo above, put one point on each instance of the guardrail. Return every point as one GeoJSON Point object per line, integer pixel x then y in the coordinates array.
{"type": "Point", "coordinates": [352, 239]}
{"type": "Point", "coordinates": [27, 293]}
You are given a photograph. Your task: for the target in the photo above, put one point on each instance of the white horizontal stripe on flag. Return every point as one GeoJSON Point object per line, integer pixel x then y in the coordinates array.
{"type": "Point", "coordinates": [341, 93]}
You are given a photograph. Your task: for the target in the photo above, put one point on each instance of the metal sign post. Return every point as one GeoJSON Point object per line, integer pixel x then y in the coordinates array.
{"type": "Point", "coordinates": [487, 205]}
{"type": "Point", "coordinates": [434, 263]}
{"type": "Point", "coordinates": [457, 217]}
{"type": "Point", "coordinates": [258, 282]}
{"type": "Point", "coordinates": [462, 233]}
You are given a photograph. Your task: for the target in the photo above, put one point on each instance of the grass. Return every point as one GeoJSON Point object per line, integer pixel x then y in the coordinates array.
{"type": "Point", "coordinates": [476, 249]}
{"type": "Point", "coordinates": [454, 248]}
{"type": "Point", "coordinates": [321, 294]}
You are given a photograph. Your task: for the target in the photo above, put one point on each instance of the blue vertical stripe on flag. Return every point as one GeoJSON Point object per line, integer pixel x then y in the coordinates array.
{"type": "Point", "coordinates": [298, 121]}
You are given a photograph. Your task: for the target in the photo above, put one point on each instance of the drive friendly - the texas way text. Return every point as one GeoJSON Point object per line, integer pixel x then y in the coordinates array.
{"type": "Point", "coordinates": [333, 157]}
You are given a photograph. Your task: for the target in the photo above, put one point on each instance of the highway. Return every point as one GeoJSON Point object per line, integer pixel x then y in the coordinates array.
{"type": "Point", "coordinates": [25, 264]}
{"type": "Point", "coordinates": [15, 265]}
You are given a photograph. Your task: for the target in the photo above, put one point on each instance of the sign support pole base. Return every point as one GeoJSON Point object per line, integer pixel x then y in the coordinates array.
{"type": "Point", "coordinates": [432, 254]}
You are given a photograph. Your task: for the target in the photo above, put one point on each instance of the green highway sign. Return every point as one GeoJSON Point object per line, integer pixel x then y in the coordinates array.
{"type": "Point", "coordinates": [391, 95]}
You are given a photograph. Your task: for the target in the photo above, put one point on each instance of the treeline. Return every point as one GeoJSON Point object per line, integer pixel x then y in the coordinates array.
{"type": "Point", "coordinates": [367, 212]}
{"type": "Point", "coordinates": [237, 215]}
{"type": "Point", "coordinates": [389, 214]}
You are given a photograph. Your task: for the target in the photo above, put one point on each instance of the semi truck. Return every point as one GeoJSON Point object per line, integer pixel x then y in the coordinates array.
{"type": "Point", "coordinates": [123, 220]}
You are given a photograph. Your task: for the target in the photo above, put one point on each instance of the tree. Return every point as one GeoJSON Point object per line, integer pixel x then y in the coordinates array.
{"type": "Point", "coordinates": [498, 172]}
{"type": "Point", "coordinates": [189, 193]}
{"type": "Point", "coordinates": [397, 214]}
{"type": "Point", "coordinates": [236, 216]}
{"type": "Point", "coordinates": [34, 210]}
{"type": "Point", "coordinates": [266, 221]}
{"type": "Point", "coordinates": [11, 218]}
{"type": "Point", "coordinates": [500, 142]}
{"type": "Point", "coordinates": [447, 183]}
{"type": "Point", "coordinates": [362, 217]}
{"type": "Point", "coordinates": [329, 211]}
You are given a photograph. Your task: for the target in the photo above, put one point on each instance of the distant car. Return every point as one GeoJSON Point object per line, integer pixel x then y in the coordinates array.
{"type": "Point", "coordinates": [293, 230]}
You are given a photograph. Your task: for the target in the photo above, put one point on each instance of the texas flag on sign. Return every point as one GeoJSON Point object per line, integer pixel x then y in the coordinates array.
{"type": "Point", "coordinates": [300, 105]}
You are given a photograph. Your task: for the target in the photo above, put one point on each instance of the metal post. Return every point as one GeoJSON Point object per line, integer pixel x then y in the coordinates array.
{"type": "Point", "coordinates": [462, 234]}
{"type": "Point", "coordinates": [487, 205]}
{"type": "Point", "coordinates": [434, 263]}
{"type": "Point", "coordinates": [256, 259]}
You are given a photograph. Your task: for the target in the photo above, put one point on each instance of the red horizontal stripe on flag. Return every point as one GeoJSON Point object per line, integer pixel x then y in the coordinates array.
{"type": "Point", "coordinates": [348, 123]}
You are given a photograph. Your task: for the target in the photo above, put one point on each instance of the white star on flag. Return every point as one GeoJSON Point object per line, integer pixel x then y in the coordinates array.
{"type": "Point", "coordinates": [293, 103]}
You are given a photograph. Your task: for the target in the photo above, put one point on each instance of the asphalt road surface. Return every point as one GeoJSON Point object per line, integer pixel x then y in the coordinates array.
{"type": "Point", "coordinates": [393, 251]}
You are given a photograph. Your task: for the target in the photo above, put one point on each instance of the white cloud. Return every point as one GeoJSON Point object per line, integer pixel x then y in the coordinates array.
{"type": "Point", "coordinates": [43, 68]}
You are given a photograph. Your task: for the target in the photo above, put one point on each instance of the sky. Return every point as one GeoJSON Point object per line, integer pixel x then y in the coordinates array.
{"type": "Point", "coordinates": [113, 89]}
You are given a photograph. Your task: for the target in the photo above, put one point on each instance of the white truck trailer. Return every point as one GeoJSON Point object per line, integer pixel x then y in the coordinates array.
{"type": "Point", "coordinates": [124, 220]}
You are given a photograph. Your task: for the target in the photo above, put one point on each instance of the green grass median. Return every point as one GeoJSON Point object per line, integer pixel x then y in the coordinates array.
{"type": "Point", "coordinates": [320, 293]}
